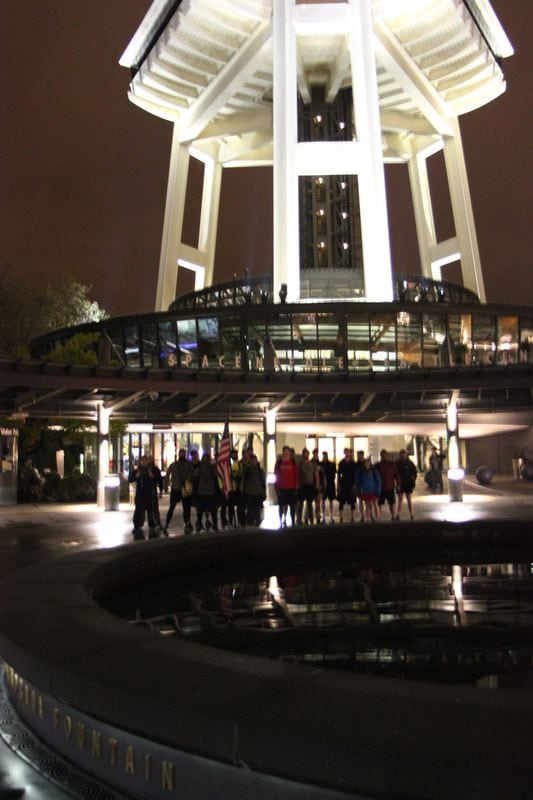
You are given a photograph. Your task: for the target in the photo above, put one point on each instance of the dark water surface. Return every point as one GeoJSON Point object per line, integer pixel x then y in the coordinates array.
{"type": "Point", "coordinates": [470, 622]}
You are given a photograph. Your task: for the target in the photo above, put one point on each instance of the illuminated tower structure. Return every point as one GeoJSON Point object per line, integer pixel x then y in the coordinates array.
{"type": "Point", "coordinates": [326, 93]}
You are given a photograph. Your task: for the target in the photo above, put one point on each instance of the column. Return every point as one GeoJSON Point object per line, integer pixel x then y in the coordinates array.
{"type": "Point", "coordinates": [173, 223]}
{"type": "Point", "coordinates": [423, 209]}
{"type": "Point", "coordinates": [455, 471]}
{"type": "Point", "coordinates": [286, 230]}
{"type": "Point", "coordinates": [372, 195]}
{"type": "Point", "coordinates": [103, 452]}
{"type": "Point", "coordinates": [270, 452]}
{"type": "Point", "coordinates": [209, 214]}
{"type": "Point", "coordinates": [463, 214]}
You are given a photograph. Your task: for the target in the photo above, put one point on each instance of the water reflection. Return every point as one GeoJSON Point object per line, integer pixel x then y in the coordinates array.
{"type": "Point", "coordinates": [454, 623]}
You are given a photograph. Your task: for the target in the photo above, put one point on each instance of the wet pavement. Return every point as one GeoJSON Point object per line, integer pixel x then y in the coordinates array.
{"type": "Point", "coordinates": [33, 533]}
{"type": "Point", "coordinates": [30, 534]}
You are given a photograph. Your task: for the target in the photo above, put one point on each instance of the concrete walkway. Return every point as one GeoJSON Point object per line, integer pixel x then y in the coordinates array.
{"type": "Point", "coordinates": [33, 533]}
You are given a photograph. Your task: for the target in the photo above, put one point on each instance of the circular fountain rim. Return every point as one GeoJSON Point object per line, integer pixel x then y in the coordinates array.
{"type": "Point", "coordinates": [277, 718]}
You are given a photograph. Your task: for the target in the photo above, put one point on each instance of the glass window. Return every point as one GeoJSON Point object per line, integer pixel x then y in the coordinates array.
{"type": "Point", "coordinates": [260, 353]}
{"type": "Point", "coordinates": [383, 342]}
{"type": "Point", "coordinates": [320, 190]}
{"type": "Point", "coordinates": [187, 342]}
{"type": "Point", "coordinates": [150, 347]}
{"type": "Point", "coordinates": [331, 343]}
{"type": "Point", "coordinates": [208, 344]}
{"type": "Point", "coordinates": [280, 336]}
{"type": "Point", "coordinates": [409, 340]}
{"type": "Point", "coordinates": [208, 329]}
{"type": "Point", "coordinates": [115, 337]}
{"type": "Point", "coordinates": [168, 344]}
{"type": "Point", "coordinates": [507, 341]}
{"type": "Point", "coordinates": [484, 339]}
{"type": "Point", "coordinates": [230, 343]}
{"type": "Point", "coordinates": [305, 342]}
{"type": "Point", "coordinates": [435, 341]}
{"type": "Point", "coordinates": [526, 339]}
{"type": "Point", "coordinates": [131, 346]}
{"type": "Point", "coordinates": [358, 341]}
{"type": "Point", "coordinates": [460, 333]}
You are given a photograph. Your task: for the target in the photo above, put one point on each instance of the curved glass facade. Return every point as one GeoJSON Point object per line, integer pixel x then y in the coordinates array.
{"type": "Point", "coordinates": [258, 291]}
{"type": "Point", "coordinates": [237, 327]}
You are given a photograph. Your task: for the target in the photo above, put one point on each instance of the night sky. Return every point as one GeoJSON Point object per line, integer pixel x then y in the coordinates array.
{"type": "Point", "coordinates": [83, 171]}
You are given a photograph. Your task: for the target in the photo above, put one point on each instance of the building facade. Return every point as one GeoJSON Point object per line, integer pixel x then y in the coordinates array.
{"type": "Point", "coordinates": [334, 345]}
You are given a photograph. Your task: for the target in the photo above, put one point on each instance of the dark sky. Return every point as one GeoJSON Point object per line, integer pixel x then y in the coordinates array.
{"type": "Point", "coordinates": [83, 171]}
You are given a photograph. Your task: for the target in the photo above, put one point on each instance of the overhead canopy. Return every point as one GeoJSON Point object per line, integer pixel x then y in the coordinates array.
{"type": "Point", "coordinates": [490, 400]}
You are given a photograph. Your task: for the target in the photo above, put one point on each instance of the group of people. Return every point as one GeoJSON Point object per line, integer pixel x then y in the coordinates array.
{"type": "Point", "coordinates": [307, 486]}
{"type": "Point", "coordinates": [197, 484]}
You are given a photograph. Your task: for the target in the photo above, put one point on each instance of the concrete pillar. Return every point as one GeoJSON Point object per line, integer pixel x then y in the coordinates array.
{"type": "Point", "coordinates": [270, 452]}
{"type": "Point", "coordinates": [173, 223]}
{"type": "Point", "coordinates": [286, 228]}
{"type": "Point", "coordinates": [103, 452]}
{"type": "Point", "coordinates": [372, 194]}
{"type": "Point", "coordinates": [209, 214]}
{"type": "Point", "coordinates": [455, 471]}
{"type": "Point", "coordinates": [457, 586]}
{"type": "Point", "coordinates": [463, 214]}
{"type": "Point", "coordinates": [423, 209]}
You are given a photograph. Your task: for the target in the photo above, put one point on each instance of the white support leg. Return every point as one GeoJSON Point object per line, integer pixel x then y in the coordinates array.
{"type": "Point", "coordinates": [286, 238]}
{"type": "Point", "coordinates": [207, 238]}
{"type": "Point", "coordinates": [173, 223]}
{"type": "Point", "coordinates": [423, 209]}
{"type": "Point", "coordinates": [372, 195]}
{"type": "Point", "coordinates": [462, 211]}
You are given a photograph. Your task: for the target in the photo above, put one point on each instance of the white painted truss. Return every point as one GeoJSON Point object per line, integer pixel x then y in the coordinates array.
{"type": "Point", "coordinates": [212, 69]}
{"type": "Point", "coordinates": [225, 73]}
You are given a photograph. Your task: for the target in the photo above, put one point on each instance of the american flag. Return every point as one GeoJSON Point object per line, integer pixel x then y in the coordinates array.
{"type": "Point", "coordinates": [223, 461]}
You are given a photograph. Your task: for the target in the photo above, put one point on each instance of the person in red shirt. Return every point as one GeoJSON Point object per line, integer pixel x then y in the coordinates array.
{"type": "Point", "coordinates": [286, 485]}
{"type": "Point", "coordinates": [390, 481]}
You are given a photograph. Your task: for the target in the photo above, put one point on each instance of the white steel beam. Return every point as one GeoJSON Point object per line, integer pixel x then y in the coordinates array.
{"type": "Point", "coordinates": [207, 236]}
{"type": "Point", "coordinates": [303, 84]}
{"type": "Point", "coordinates": [240, 147]}
{"type": "Point", "coordinates": [423, 210]}
{"type": "Point", "coordinates": [396, 60]}
{"type": "Point", "coordinates": [226, 84]}
{"type": "Point", "coordinates": [445, 252]}
{"type": "Point", "coordinates": [286, 238]}
{"type": "Point", "coordinates": [173, 222]}
{"type": "Point", "coordinates": [237, 125]}
{"type": "Point", "coordinates": [372, 193]}
{"type": "Point", "coordinates": [463, 213]}
{"type": "Point", "coordinates": [342, 65]}
{"type": "Point", "coordinates": [409, 123]}
{"type": "Point", "coordinates": [326, 158]}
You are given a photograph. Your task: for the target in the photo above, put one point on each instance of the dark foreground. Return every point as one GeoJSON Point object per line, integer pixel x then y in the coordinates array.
{"type": "Point", "coordinates": [288, 720]}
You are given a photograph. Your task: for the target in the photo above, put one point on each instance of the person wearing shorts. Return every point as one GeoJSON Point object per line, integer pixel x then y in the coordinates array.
{"type": "Point", "coordinates": [286, 472]}
{"type": "Point", "coordinates": [369, 483]}
{"type": "Point", "coordinates": [407, 472]}
{"type": "Point", "coordinates": [390, 480]}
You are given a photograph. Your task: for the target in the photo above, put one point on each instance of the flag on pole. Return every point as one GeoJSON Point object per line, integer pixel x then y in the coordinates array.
{"type": "Point", "coordinates": [223, 461]}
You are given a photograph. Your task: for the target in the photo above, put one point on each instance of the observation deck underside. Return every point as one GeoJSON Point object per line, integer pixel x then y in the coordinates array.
{"type": "Point", "coordinates": [208, 65]}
